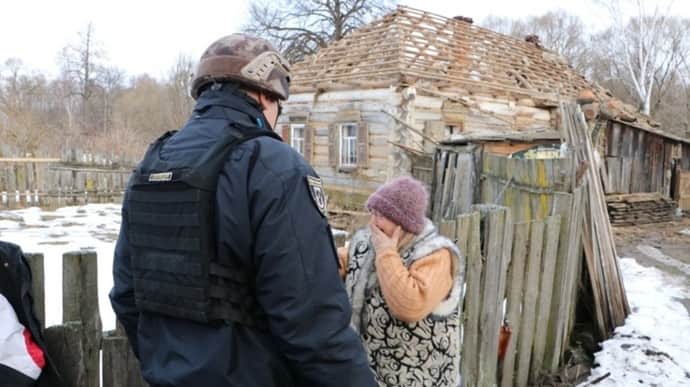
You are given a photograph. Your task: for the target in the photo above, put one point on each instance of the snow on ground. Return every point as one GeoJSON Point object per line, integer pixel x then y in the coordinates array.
{"type": "Point", "coordinates": [91, 227]}
{"type": "Point", "coordinates": [652, 348]}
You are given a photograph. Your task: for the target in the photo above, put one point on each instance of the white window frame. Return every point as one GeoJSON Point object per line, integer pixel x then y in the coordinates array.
{"type": "Point", "coordinates": [297, 142]}
{"type": "Point", "coordinates": [348, 155]}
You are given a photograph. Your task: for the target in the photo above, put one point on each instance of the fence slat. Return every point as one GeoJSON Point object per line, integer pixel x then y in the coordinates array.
{"type": "Point", "coordinates": [548, 267]}
{"type": "Point", "coordinates": [38, 286]}
{"type": "Point", "coordinates": [494, 226]}
{"type": "Point", "coordinates": [66, 348]}
{"type": "Point", "coordinates": [120, 366]}
{"type": "Point", "coordinates": [570, 208]}
{"type": "Point", "coordinates": [514, 298]}
{"type": "Point", "coordinates": [529, 302]}
{"type": "Point", "coordinates": [469, 240]}
{"type": "Point", "coordinates": [80, 303]}
{"type": "Point", "coordinates": [464, 184]}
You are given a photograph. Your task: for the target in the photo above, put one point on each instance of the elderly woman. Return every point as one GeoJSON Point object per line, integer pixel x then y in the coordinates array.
{"type": "Point", "coordinates": [405, 282]}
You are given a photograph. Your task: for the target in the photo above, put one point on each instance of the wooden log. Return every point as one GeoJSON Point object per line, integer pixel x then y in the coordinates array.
{"type": "Point", "coordinates": [120, 366]}
{"type": "Point", "coordinates": [514, 299]}
{"type": "Point", "coordinates": [529, 303]}
{"type": "Point", "coordinates": [80, 303]}
{"type": "Point", "coordinates": [38, 286]}
{"type": "Point", "coordinates": [543, 313]}
{"type": "Point", "coordinates": [468, 232]}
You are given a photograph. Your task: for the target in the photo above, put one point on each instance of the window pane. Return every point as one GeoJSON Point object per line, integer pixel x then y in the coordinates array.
{"type": "Point", "coordinates": [348, 144]}
{"type": "Point", "coordinates": [297, 137]}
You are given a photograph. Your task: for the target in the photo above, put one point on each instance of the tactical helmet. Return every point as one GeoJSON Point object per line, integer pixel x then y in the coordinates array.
{"type": "Point", "coordinates": [246, 60]}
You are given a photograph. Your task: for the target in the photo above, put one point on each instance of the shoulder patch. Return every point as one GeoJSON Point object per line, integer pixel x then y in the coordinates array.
{"type": "Point", "coordinates": [317, 193]}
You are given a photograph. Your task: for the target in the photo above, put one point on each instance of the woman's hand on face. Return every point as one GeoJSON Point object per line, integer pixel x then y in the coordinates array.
{"type": "Point", "coordinates": [382, 241]}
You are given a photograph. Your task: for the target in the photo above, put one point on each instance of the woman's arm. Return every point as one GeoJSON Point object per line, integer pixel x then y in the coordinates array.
{"type": "Point", "coordinates": [413, 294]}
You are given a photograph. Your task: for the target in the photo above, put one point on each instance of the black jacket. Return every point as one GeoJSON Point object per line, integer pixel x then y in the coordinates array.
{"type": "Point", "coordinates": [15, 286]}
{"type": "Point", "coordinates": [265, 211]}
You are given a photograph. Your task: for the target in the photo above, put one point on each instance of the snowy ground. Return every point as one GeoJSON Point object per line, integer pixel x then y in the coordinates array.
{"type": "Point", "coordinates": [94, 226]}
{"type": "Point", "coordinates": [651, 349]}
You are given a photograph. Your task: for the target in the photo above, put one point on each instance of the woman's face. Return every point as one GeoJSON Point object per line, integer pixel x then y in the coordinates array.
{"type": "Point", "coordinates": [386, 225]}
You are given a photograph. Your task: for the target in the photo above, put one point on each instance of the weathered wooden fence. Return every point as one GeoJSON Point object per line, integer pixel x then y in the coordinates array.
{"type": "Point", "coordinates": [542, 270]}
{"type": "Point", "coordinates": [454, 181]}
{"type": "Point", "coordinates": [524, 272]}
{"type": "Point", "coordinates": [76, 345]}
{"type": "Point", "coordinates": [55, 182]}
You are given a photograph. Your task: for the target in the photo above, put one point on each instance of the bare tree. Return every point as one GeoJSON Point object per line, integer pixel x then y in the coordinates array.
{"type": "Point", "coordinates": [300, 27]}
{"type": "Point", "coordinates": [23, 103]}
{"type": "Point", "coordinates": [82, 67]}
{"type": "Point", "coordinates": [646, 49]}
{"type": "Point", "coordinates": [109, 83]}
{"type": "Point", "coordinates": [179, 85]}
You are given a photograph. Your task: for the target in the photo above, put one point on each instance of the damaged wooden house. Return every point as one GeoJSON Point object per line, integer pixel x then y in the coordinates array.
{"type": "Point", "coordinates": [485, 120]}
{"type": "Point", "coordinates": [373, 104]}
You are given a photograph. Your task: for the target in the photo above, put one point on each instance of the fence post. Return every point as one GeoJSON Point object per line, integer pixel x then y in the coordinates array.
{"type": "Point", "coordinates": [80, 303]}
{"type": "Point", "coordinates": [120, 366]}
{"type": "Point", "coordinates": [65, 346]}
{"type": "Point", "coordinates": [530, 294]}
{"type": "Point", "coordinates": [514, 297]}
{"type": "Point", "coordinates": [497, 237]}
{"type": "Point", "coordinates": [468, 237]}
{"type": "Point", "coordinates": [548, 270]}
{"type": "Point", "coordinates": [38, 286]}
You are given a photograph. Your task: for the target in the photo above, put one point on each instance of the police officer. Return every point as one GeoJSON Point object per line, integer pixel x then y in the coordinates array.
{"type": "Point", "coordinates": [225, 271]}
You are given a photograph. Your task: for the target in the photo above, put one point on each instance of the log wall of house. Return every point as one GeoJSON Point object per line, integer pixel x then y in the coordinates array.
{"type": "Point", "coordinates": [475, 113]}
{"type": "Point", "coordinates": [320, 112]}
{"type": "Point", "coordinates": [640, 161]}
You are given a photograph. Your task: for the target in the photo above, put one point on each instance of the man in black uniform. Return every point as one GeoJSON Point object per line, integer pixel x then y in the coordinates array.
{"type": "Point", "coordinates": [225, 271]}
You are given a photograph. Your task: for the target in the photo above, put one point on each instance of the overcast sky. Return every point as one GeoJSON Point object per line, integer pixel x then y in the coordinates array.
{"type": "Point", "coordinates": [146, 36]}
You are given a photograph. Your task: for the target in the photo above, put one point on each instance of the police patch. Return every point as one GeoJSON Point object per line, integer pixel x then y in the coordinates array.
{"type": "Point", "coordinates": [318, 195]}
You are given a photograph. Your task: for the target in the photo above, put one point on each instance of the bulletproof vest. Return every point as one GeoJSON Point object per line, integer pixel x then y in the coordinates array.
{"type": "Point", "coordinates": [172, 233]}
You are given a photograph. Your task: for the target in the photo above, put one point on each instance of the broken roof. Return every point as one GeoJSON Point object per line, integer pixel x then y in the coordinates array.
{"type": "Point", "coordinates": [414, 47]}
{"type": "Point", "coordinates": [409, 45]}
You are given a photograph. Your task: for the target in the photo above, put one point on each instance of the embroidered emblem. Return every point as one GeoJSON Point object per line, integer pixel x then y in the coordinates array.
{"type": "Point", "coordinates": [318, 195]}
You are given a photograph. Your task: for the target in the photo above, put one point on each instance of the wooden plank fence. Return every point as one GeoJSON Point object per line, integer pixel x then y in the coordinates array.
{"type": "Point", "coordinates": [513, 272]}
{"type": "Point", "coordinates": [453, 185]}
{"type": "Point", "coordinates": [539, 287]}
{"type": "Point", "coordinates": [75, 346]}
{"type": "Point", "coordinates": [54, 183]}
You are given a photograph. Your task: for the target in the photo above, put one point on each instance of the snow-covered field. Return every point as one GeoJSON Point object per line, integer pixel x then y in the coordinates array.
{"type": "Point", "coordinates": [651, 349]}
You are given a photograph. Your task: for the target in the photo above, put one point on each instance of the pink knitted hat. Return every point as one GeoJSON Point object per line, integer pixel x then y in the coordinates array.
{"type": "Point", "coordinates": [403, 200]}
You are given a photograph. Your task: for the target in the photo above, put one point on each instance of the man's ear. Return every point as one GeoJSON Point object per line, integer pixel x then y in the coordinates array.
{"type": "Point", "coordinates": [264, 101]}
